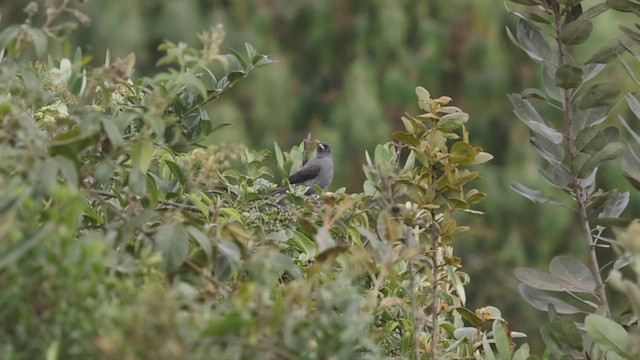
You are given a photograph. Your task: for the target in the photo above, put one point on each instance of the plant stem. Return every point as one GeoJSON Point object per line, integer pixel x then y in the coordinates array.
{"type": "Point", "coordinates": [414, 320]}
{"type": "Point", "coordinates": [578, 193]}
{"type": "Point", "coordinates": [593, 258]}
{"type": "Point", "coordinates": [436, 299]}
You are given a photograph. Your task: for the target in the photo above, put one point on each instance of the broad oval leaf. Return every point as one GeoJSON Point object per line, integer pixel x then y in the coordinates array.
{"type": "Point", "coordinates": [530, 116]}
{"type": "Point", "coordinates": [601, 94]}
{"type": "Point", "coordinates": [461, 153]}
{"type": "Point", "coordinates": [406, 138]}
{"type": "Point", "coordinates": [576, 32]}
{"type": "Point", "coordinates": [568, 76]}
{"type": "Point", "coordinates": [541, 300]}
{"type": "Point", "coordinates": [202, 239]}
{"type": "Point", "coordinates": [173, 243]}
{"type": "Point", "coordinates": [551, 152]}
{"type": "Point", "coordinates": [566, 331]}
{"type": "Point", "coordinates": [451, 122]}
{"type": "Point", "coordinates": [302, 243]}
{"type": "Point", "coordinates": [611, 151]}
{"type": "Point", "coordinates": [615, 204]}
{"type": "Point", "coordinates": [573, 272]}
{"type": "Point", "coordinates": [532, 41]}
{"type": "Point", "coordinates": [541, 280]}
{"type": "Point", "coordinates": [609, 335]}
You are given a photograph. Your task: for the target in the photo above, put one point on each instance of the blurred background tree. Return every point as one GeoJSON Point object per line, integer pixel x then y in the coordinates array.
{"type": "Point", "coordinates": [345, 71]}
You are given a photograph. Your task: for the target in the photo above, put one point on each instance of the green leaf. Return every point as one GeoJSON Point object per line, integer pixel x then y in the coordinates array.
{"type": "Point", "coordinates": [623, 5]}
{"type": "Point", "coordinates": [537, 18]}
{"type": "Point", "coordinates": [236, 55]}
{"type": "Point", "coordinates": [611, 49]}
{"type": "Point", "coordinates": [113, 133]}
{"type": "Point", "coordinates": [601, 94]}
{"type": "Point", "coordinates": [173, 243]}
{"type": "Point", "coordinates": [534, 195]}
{"type": "Point", "coordinates": [532, 93]}
{"type": "Point", "coordinates": [461, 153]}
{"type": "Point", "coordinates": [230, 250]}
{"type": "Point", "coordinates": [406, 138]}
{"type": "Point", "coordinates": [486, 347]}
{"type": "Point", "coordinates": [540, 300]}
{"type": "Point", "coordinates": [573, 272]}
{"type": "Point", "coordinates": [542, 280]}
{"type": "Point", "coordinates": [615, 204]}
{"type": "Point", "coordinates": [453, 121]}
{"type": "Point", "coordinates": [503, 344]}
{"type": "Point", "coordinates": [176, 171]}
{"type": "Point", "coordinates": [157, 124]}
{"type": "Point", "coordinates": [530, 39]}
{"type": "Point", "coordinates": [522, 353]}
{"type": "Point", "coordinates": [279, 156]}
{"type": "Point", "coordinates": [566, 331]}
{"type": "Point", "coordinates": [586, 136]}
{"type": "Point", "coordinates": [630, 166]}
{"type": "Point", "coordinates": [551, 152]}
{"type": "Point", "coordinates": [202, 239]}
{"type": "Point", "coordinates": [634, 105]}
{"type": "Point", "coordinates": [607, 334]}
{"type": "Point", "coordinates": [630, 32]}
{"type": "Point", "coordinates": [609, 152]}
{"type": "Point", "coordinates": [231, 213]}
{"type": "Point", "coordinates": [470, 316]}
{"type": "Point", "coordinates": [576, 32]}
{"type": "Point", "coordinates": [141, 153]}
{"type": "Point", "coordinates": [530, 116]}
{"type": "Point", "coordinates": [302, 243]}
{"type": "Point", "coordinates": [568, 76]}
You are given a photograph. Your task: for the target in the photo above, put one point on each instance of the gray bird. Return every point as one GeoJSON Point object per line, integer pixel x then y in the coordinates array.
{"type": "Point", "coordinates": [317, 171]}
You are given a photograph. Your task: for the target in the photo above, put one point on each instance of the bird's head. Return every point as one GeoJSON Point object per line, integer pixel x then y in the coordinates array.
{"type": "Point", "coordinates": [323, 150]}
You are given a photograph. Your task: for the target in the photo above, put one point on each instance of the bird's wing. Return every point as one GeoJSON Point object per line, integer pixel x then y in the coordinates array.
{"type": "Point", "coordinates": [308, 172]}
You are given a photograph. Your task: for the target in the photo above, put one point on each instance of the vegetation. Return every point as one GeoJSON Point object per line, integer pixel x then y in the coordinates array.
{"type": "Point", "coordinates": [575, 149]}
{"type": "Point", "coordinates": [131, 231]}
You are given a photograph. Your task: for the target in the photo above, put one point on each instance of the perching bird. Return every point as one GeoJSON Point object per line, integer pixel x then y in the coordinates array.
{"type": "Point", "coordinates": [317, 171]}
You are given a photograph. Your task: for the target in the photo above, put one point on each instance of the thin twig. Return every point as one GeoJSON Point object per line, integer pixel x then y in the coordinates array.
{"type": "Point", "coordinates": [192, 208]}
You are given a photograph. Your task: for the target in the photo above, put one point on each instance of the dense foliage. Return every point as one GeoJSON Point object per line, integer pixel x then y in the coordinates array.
{"type": "Point", "coordinates": [123, 237]}
{"type": "Point", "coordinates": [349, 65]}
{"type": "Point", "coordinates": [129, 230]}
